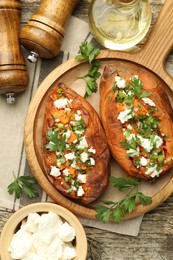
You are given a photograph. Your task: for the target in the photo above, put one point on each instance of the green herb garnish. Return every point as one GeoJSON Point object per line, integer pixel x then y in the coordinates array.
{"type": "Point", "coordinates": [23, 184]}
{"type": "Point", "coordinates": [55, 143]}
{"type": "Point", "coordinates": [88, 53]}
{"type": "Point", "coordinates": [59, 92]}
{"type": "Point", "coordinates": [117, 210]}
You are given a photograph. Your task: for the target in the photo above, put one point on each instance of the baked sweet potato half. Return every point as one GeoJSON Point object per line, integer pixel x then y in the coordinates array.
{"type": "Point", "coordinates": [138, 120]}
{"type": "Point", "coordinates": [75, 150]}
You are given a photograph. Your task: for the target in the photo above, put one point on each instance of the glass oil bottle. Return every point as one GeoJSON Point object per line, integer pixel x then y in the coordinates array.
{"type": "Point", "coordinates": [119, 24]}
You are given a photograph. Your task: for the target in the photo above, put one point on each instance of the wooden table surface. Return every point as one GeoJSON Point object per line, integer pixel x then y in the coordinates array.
{"type": "Point", "coordinates": [155, 239]}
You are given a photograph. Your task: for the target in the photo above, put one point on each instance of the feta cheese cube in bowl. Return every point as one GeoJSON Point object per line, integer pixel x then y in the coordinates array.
{"type": "Point", "coordinates": [43, 230]}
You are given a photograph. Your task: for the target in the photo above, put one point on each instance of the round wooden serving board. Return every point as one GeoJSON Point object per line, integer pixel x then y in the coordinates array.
{"type": "Point", "coordinates": [151, 59]}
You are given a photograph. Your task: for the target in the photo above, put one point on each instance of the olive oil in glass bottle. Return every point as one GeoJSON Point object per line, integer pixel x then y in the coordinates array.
{"type": "Point", "coordinates": [119, 24]}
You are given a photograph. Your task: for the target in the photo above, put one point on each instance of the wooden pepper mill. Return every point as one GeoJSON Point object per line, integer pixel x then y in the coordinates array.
{"type": "Point", "coordinates": [44, 32]}
{"type": "Point", "coordinates": [13, 75]}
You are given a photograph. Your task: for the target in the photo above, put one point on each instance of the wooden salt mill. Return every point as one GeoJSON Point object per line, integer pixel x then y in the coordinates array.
{"type": "Point", "coordinates": [44, 32]}
{"type": "Point", "coordinates": [13, 75]}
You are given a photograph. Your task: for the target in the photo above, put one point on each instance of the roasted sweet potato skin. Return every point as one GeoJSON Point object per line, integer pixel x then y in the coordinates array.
{"type": "Point", "coordinates": [114, 127]}
{"type": "Point", "coordinates": [97, 175]}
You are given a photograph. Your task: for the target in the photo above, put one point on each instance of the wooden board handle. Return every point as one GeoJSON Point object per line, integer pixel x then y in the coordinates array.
{"type": "Point", "coordinates": [13, 74]}
{"type": "Point", "coordinates": [45, 30]}
{"type": "Point", "coordinates": [160, 40]}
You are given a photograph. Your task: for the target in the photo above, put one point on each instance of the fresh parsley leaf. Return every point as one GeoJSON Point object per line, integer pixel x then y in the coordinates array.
{"type": "Point", "coordinates": [144, 94]}
{"type": "Point", "coordinates": [123, 184]}
{"type": "Point", "coordinates": [118, 213]}
{"type": "Point", "coordinates": [15, 187]}
{"type": "Point", "coordinates": [30, 192]}
{"type": "Point", "coordinates": [145, 200]}
{"type": "Point", "coordinates": [109, 202]}
{"type": "Point", "coordinates": [103, 213]}
{"type": "Point", "coordinates": [93, 71]}
{"type": "Point", "coordinates": [88, 53]}
{"type": "Point", "coordinates": [137, 84]}
{"type": "Point", "coordinates": [59, 92]}
{"type": "Point", "coordinates": [23, 184]}
{"type": "Point", "coordinates": [55, 143]}
{"type": "Point", "coordinates": [131, 144]}
{"type": "Point", "coordinates": [129, 204]}
{"type": "Point", "coordinates": [117, 210]}
{"type": "Point", "coordinates": [91, 87]}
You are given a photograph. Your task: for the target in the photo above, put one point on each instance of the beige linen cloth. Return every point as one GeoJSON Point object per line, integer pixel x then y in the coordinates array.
{"type": "Point", "coordinates": [12, 118]}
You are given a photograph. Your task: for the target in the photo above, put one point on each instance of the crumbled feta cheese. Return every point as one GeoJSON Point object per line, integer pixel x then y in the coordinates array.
{"type": "Point", "coordinates": [81, 178]}
{"type": "Point", "coordinates": [149, 102]}
{"type": "Point", "coordinates": [158, 141]}
{"type": "Point", "coordinates": [67, 109]}
{"type": "Point", "coordinates": [77, 117]}
{"type": "Point", "coordinates": [130, 137]}
{"type": "Point", "coordinates": [32, 222]}
{"type": "Point", "coordinates": [50, 241]}
{"type": "Point", "coordinates": [55, 249]}
{"type": "Point", "coordinates": [155, 172]}
{"type": "Point", "coordinates": [82, 144]}
{"type": "Point", "coordinates": [129, 127]}
{"type": "Point", "coordinates": [84, 157]}
{"type": "Point", "coordinates": [55, 171]}
{"type": "Point", "coordinates": [70, 156]}
{"type": "Point", "coordinates": [129, 93]}
{"type": "Point", "coordinates": [73, 165]}
{"type": "Point", "coordinates": [73, 188]}
{"type": "Point", "coordinates": [79, 112]}
{"type": "Point", "coordinates": [21, 244]}
{"type": "Point", "coordinates": [67, 134]}
{"type": "Point", "coordinates": [80, 191]}
{"type": "Point", "coordinates": [92, 161]}
{"type": "Point", "coordinates": [92, 150]}
{"type": "Point", "coordinates": [32, 256]}
{"type": "Point", "coordinates": [75, 141]}
{"type": "Point", "coordinates": [61, 103]}
{"type": "Point", "coordinates": [120, 82]}
{"type": "Point", "coordinates": [74, 123]}
{"type": "Point", "coordinates": [79, 132]}
{"type": "Point", "coordinates": [143, 161]}
{"type": "Point", "coordinates": [146, 143]}
{"type": "Point", "coordinates": [66, 172]}
{"type": "Point", "coordinates": [49, 222]}
{"type": "Point", "coordinates": [57, 120]}
{"type": "Point", "coordinates": [66, 232]}
{"type": "Point", "coordinates": [68, 252]}
{"type": "Point", "coordinates": [125, 115]}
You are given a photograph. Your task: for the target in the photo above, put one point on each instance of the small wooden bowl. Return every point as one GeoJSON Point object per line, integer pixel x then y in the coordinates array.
{"type": "Point", "coordinates": [43, 207]}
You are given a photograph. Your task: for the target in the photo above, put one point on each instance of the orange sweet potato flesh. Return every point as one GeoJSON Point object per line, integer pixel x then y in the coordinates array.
{"type": "Point", "coordinates": [97, 175]}
{"type": "Point", "coordinates": [110, 109]}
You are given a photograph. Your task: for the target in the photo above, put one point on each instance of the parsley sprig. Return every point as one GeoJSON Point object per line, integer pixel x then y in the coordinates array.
{"type": "Point", "coordinates": [55, 142]}
{"type": "Point", "coordinates": [117, 210]}
{"type": "Point", "coordinates": [88, 53]}
{"type": "Point", "coordinates": [23, 185]}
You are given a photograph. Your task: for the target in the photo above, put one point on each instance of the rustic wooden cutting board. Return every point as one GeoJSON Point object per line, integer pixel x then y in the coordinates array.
{"type": "Point", "coordinates": [151, 59]}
